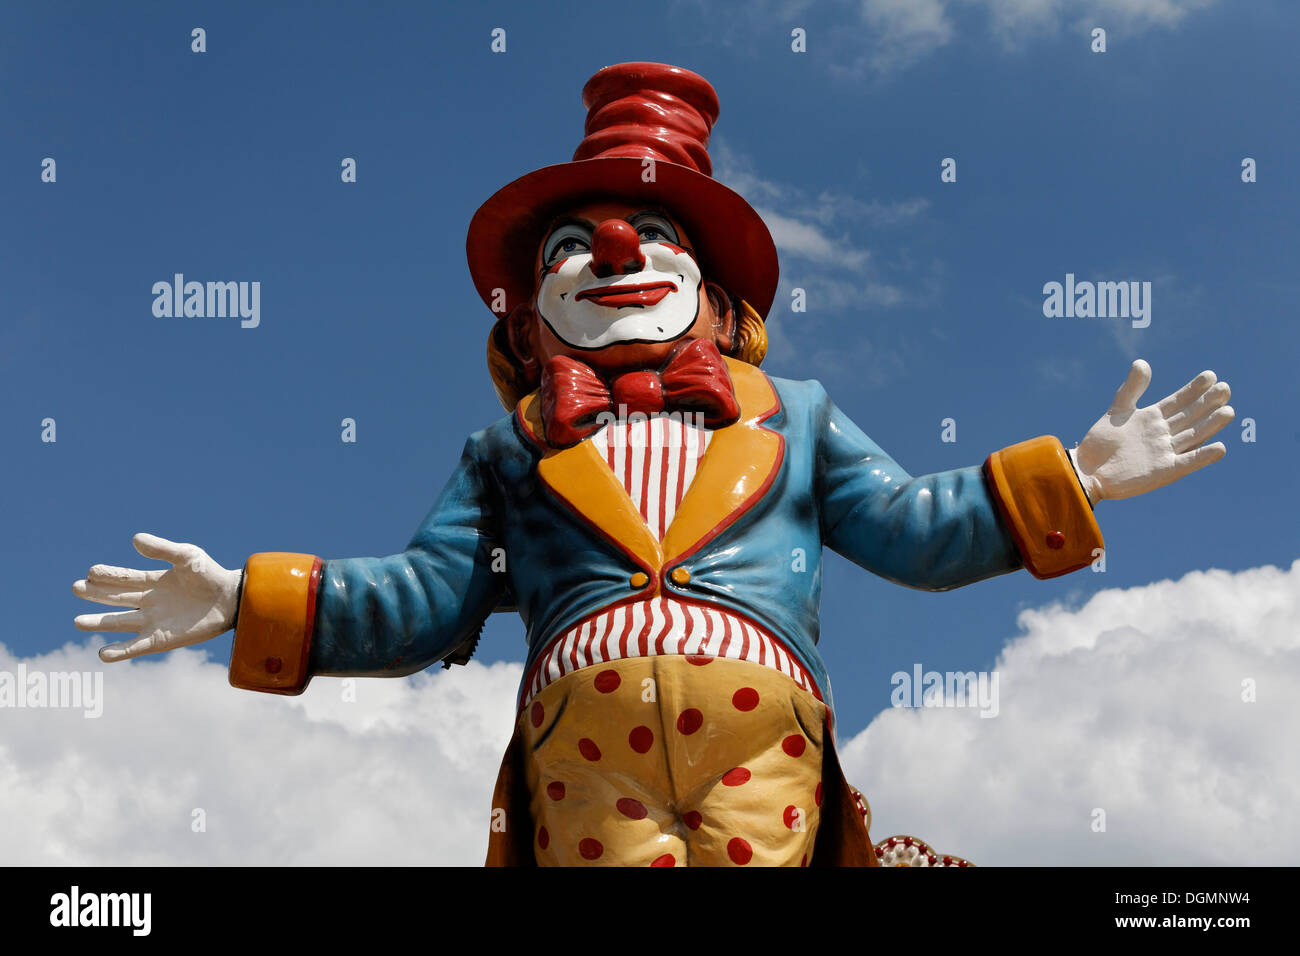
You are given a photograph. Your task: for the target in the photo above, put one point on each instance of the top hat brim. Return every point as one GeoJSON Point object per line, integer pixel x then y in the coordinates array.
{"type": "Point", "coordinates": [730, 240]}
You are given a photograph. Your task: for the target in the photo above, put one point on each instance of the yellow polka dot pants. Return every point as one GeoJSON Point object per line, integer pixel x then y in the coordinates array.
{"type": "Point", "coordinates": [670, 761]}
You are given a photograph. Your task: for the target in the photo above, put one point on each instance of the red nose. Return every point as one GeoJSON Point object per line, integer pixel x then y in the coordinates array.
{"type": "Point", "coordinates": [615, 249]}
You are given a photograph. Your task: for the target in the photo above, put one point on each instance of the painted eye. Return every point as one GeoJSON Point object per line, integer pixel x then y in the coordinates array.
{"type": "Point", "coordinates": [653, 228]}
{"type": "Point", "coordinates": [567, 240]}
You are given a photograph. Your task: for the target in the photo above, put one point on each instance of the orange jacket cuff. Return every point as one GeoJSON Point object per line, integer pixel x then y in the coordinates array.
{"type": "Point", "coordinates": [273, 630]}
{"type": "Point", "coordinates": [1044, 506]}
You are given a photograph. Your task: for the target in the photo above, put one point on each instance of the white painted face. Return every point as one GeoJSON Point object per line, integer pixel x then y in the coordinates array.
{"type": "Point", "coordinates": [658, 304]}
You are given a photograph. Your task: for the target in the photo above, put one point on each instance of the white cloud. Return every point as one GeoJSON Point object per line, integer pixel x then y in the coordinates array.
{"type": "Point", "coordinates": [806, 213]}
{"type": "Point", "coordinates": [901, 33]}
{"type": "Point", "coordinates": [824, 240]}
{"type": "Point", "coordinates": [1137, 14]}
{"type": "Point", "coordinates": [1131, 703]}
{"type": "Point", "coordinates": [805, 240]}
{"type": "Point", "coordinates": [905, 31]}
{"type": "Point", "coordinates": [402, 776]}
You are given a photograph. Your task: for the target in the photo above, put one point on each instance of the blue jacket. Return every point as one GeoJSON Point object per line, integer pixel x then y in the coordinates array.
{"type": "Point", "coordinates": [552, 533]}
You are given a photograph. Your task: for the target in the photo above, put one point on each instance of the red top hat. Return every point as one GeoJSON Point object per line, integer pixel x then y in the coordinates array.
{"type": "Point", "coordinates": [636, 111]}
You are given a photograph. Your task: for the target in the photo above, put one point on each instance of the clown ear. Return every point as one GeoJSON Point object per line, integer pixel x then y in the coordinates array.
{"type": "Point", "coordinates": [513, 375]}
{"type": "Point", "coordinates": [750, 334]}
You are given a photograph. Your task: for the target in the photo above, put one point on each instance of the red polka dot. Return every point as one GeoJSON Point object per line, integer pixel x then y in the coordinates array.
{"type": "Point", "coordinates": [818, 795]}
{"type": "Point", "coordinates": [607, 681]}
{"type": "Point", "coordinates": [689, 721]}
{"type": "Point", "coordinates": [699, 660]}
{"type": "Point", "coordinates": [692, 819]}
{"type": "Point", "coordinates": [632, 809]}
{"type": "Point", "coordinates": [588, 748]}
{"type": "Point", "coordinates": [537, 713]}
{"type": "Point", "coordinates": [641, 739]}
{"type": "Point", "coordinates": [543, 838]}
{"type": "Point", "coordinates": [791, 816]}
{"type": "Point", "coordinates": [555, 790]}
{"type": "Point", "coordinates": [590, 849]}
{"type": "Point", "coordinates": [665, 860]}
{"type": "Point", "coordinates": [804, 861]}
{"type": "Point", "coordinates": [739, 851]}
{"type": "Point", "coordinates": [735, 777]}
{"type": "Point", "coordinates": [794, 745]}
{"type": "Point", "coordinates": [745, 699]}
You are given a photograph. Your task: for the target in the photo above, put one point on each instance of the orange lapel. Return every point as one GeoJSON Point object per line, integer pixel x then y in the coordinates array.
{"type": "Point", "coordinates": [739, 465]}
{"type": "Point", "coordinates": [583, 480]}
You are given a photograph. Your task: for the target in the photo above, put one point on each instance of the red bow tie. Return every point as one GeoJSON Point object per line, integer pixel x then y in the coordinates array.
{"type": "Point", "coordinates": [694, 380]}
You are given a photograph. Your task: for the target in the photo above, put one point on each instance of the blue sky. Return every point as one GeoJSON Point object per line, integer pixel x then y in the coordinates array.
{"type": "Point", "coordinates": [924, 298]}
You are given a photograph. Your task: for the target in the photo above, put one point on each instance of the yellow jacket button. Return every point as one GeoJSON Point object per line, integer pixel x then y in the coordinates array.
{"type": "Point", "coordinates": [639, 580]}
{"type": "Point", "coordinates": [681, 575]}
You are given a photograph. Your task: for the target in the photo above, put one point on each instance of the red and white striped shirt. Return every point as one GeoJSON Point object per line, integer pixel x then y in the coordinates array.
{"type": "Point", "coordinates": [656, 459]}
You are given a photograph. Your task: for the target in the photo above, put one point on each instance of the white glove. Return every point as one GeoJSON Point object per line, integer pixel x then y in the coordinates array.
{"type": "Point", "coordinates": [193, 600]}
{"type": "Point", "coordinates": [1133, 450]}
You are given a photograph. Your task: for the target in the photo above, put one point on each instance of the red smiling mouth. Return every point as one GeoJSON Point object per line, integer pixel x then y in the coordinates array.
{"type": "Point", "coordinates": [620, 296]}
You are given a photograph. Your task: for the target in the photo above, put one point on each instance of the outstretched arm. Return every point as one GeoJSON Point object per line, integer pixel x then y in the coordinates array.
{"type": "Point", "coordinates": [398, 615]}
{"type": "Point", "coordinates": [299, 616]}
{"type": "Point", "coordinates": [933, 532]}
{"type": "Point", "coordinates": [1031, 503]}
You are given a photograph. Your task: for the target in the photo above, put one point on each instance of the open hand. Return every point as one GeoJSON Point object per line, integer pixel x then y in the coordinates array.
{"type": "Point", "coordinates": [193, 600]}
{"type": "Point", "coordinates": [1132, 450]}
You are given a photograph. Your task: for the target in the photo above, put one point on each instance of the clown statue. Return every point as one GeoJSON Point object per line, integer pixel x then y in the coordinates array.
{"type": "Point", "coordinates": [641, 507]}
